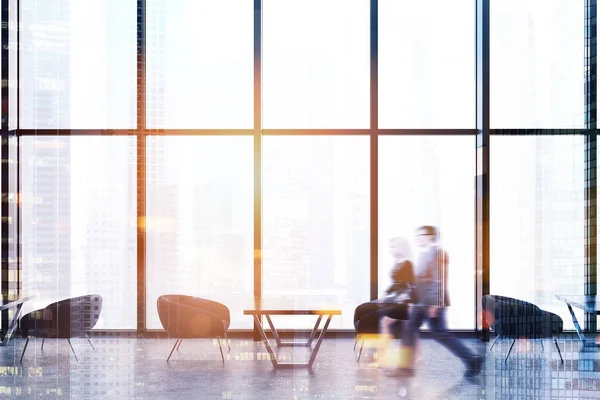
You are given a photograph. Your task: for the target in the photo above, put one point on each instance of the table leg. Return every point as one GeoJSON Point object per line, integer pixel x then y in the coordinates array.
{"type": "Point", "coordinates": [273, 330]}
{"type": "Point", "coordinates": [314, 331]}
{"type": "Point", "coordinates": [294, 343]}
{"type": "Point", "coordinates": [582, 338]}
{"type": "Point", "coordinates": [266, 341]}
{"type": "Point", "coordinates": [313, 354]}
{"type": "Point", "coordinates": [12, 325]}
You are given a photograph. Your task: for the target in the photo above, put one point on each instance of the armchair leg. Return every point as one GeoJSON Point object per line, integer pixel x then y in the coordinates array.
{"type": "Point", "coordinates": [173, 349]}
{"type": "Point", "coordinates": [558, 348]}
{"type": "Point", "coordinates": [509, 350]}
{"type": "Point", "coordinates": [179, 345]}
{"type": "Point", "coordinates": [228, 344]}
{"type": "Point", "coordinates": [220, 348]}
{"type": "Point", "coordinates": [72, 349]}
{"type": "Point", "coordinates": [542, 343]}
{"type": "Point", "coordinates": [42, 343]}
{"type": "Point", "coordinates": [362, 343]}
{"type": "Point", "coordinates": [24, 348]}
{"type": "Point", "coordinates": [494, 342]}
{"type": "Point", "coordinates": [355, 340]}
{"type": "Point", "coordinates": [88, 339]}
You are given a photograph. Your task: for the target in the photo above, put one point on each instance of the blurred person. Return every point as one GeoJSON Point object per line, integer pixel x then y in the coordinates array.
{"type": "Point", "coordinates": [432, 298]}
{"type": "Point", "coordinates": [402, 273]}
{"type": "Point", "coordinates": [399, 293]}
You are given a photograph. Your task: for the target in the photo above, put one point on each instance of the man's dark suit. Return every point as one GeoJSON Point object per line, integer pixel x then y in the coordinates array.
{"type": "Point", "coordinates": [432, 291]}
{"type": "Point", "coordinates": [432, 278]}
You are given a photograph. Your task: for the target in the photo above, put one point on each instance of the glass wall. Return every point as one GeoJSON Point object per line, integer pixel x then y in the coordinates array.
{"type": "Point", "coordinates": [537, 52]}
{"type": "Point", "coordinates": [537, 220]}
{"type": "Point", "coordinates": [315, 64]}
{"type": "Point", "coordinates": [426, 64]}
{"type": "Point", "coordinates": [430, 181]}
{"type": "Point", "coordinates": [316, 222]}
{"type": "Point", "coordinates": [78, 64]}
{"type": "Point", "coordinates": [79, 70]}
{"type": "Point", "coordinates": [78, 223]}
{"type": "Point", "coordinates": [199, 64]}
{"type": "Point", "coordinates": [537, 187]}
{"type": "Point", "coordinates": [199, 222]}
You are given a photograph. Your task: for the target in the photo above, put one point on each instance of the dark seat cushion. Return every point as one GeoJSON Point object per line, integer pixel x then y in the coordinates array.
{"type": "Point", "coordinates": [368, 315]}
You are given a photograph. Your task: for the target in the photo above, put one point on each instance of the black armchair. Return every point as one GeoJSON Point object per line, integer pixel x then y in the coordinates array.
{"type": "Point", "coordinates": [517, 319]}
{"type": "Point", "coordinates": [367, 317]}
{"type": "Point", "coordinates": [186, 317]}
{"type": "Point", "coordinates": [65, 319]}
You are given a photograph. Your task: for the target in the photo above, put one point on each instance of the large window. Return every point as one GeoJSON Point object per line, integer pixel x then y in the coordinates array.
{"type": "Point", "coordinates": [78, 219]}
{"type": "Point", "coordinates": [426, 64]}
{"type": "Point", "coordinates": [430, 181]}
{"type": "Point", "coordinates": [537, 63]}
{"type": "Point", "coordinates": [316, 221]}
{"type": "Point", "coordinates": [200, 64]}
{"type": "Point", "coordinates": [315, 64]}
{"type": "Point", "coordinates": [537, 220]}
{"type": "Point", "coordinates": [78, 64]}
{"type": "Point", "coordinates": [200, 222]}
{"type": "Point", "coordinates": [266, 107]}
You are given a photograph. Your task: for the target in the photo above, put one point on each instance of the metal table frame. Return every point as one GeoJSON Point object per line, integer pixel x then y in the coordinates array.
{"type": "Point", "coordinates": [569, 302]}
{"type": "Point", "coordinates": [293, 343]}
{"type": "Point", "coordinates": [18, 304]}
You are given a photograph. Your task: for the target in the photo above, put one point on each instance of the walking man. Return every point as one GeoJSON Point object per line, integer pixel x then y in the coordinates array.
{"type": "Point", "coordinates": [431, 274]}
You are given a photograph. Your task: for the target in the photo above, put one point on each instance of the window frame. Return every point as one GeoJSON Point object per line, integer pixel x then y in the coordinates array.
{"type": "Point", "coordinates": [480, 134]}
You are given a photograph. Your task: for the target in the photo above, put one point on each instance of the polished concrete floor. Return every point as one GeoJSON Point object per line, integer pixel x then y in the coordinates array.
{"type": "Point", "coordinates": [122, 368]}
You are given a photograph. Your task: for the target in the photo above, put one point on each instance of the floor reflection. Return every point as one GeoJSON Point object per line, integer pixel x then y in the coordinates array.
{"type": "Point", "coordinates": [122, 368]}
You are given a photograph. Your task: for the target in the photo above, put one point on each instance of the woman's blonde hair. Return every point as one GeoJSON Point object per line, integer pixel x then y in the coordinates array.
{"type": "Point", "coordinates": [404, 246]}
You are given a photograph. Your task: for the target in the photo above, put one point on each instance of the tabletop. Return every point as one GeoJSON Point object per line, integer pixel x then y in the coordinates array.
{"type": "Point", "coordinates": [297, 305]}
{"type": "Point", "coordinates": [587, 303]}
{"type": "Point", "coordinates": [8, 301]}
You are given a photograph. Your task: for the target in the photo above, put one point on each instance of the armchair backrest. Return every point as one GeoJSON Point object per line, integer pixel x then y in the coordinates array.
{"type": "Point", "coordinates": [192, 317]}
{"type": "Point", "coordinates": [518, 318]}
{"type": "Point", "coordinates": [64, 319]}
{"type": "Point", "coordinates": [76, 316]}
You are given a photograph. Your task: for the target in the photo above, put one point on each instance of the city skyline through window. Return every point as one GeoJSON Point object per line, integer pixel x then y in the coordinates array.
{"type": "Point", "coordinates": [79, 210]}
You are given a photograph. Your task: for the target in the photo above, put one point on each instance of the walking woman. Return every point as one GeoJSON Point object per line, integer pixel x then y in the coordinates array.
{"type": "Point", "coordinates": [399, 293]}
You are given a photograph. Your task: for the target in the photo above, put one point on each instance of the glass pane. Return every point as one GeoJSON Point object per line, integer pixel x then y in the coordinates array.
{"type": "Point", "coordinates": [78, 64]}
{"type": "Point", "coordinates": [315, 64]}
{"type": "Point", "coordinates": [316, 222]}
{"type": "Point", "coordinates": [537, 220]}
{"type": "Point", "coordinates": [200, 222]}
{"type": "Point", "coordinates": [200, 71]}
{"type": "Point", "coordinates": [426, 64]}
{"type": "Point", "coordinates": [430, 181]}
{"type": "Point", "coordinates": [10, 249]}
{"type": "Point", "coordinates": [78, 223]}
{"type": "Point", "coordinates": [537, 64]}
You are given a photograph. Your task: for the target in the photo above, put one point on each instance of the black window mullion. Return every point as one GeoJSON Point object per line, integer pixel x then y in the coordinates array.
{"type": "Point", "coordinates": [257, 156]}
{"type": "Point", "coordinates": [590, 288]}
{"type": "Point", "coordinates": [5, 159]}
{"type": "Point", "coordinates": [141, 166]}
{"type": "Point", "coordinates": [373, 159]}
{"type": "Point", "coordinates": [482, 179]}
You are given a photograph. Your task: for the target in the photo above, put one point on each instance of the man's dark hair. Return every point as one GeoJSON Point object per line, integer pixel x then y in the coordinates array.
{"type": "Point", "coordinates": [429, 230]}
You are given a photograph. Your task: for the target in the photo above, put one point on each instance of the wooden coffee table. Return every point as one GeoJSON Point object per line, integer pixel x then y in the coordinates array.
{"type": "Point", "coordinates": [319, 306]}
